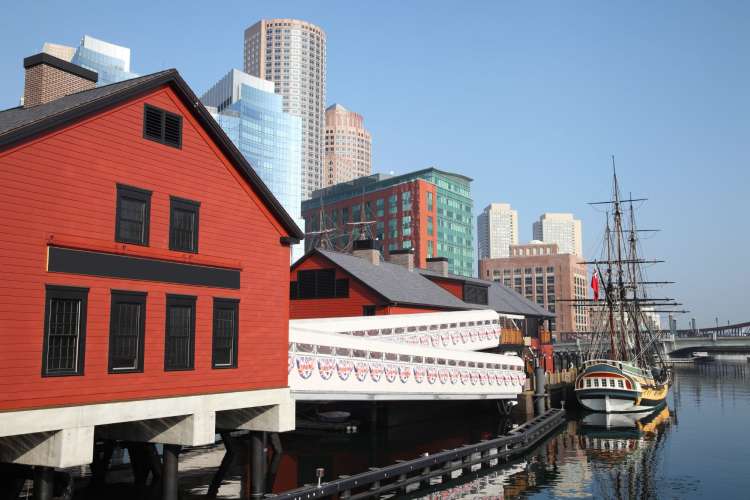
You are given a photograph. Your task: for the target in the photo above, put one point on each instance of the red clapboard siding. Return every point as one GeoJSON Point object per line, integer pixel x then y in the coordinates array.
{"type": "Point", "coordinates": [454, 287]}
{"type": "Point", "coordinates": [64, 183]}
{"type": "Point", "coordinates": [410, 310]}
{"type": "Point", "coordinates": [359, 295]}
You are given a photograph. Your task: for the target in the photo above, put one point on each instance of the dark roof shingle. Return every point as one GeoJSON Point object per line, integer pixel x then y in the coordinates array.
{"type": "Point", "coordinates": [507, 300]}
{"type": "Point", "coordinates": [396, 283]}
{"type": "Point", "coordinates": [19, 123]}
{"type": "Point", "coordinates": [500, 298]}
{"type": "Point", "coordinates": [14, 118]}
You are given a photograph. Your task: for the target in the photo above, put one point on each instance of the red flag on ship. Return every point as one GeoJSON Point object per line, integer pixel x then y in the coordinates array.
{"type": "Point", "coordinates": [595, 284]}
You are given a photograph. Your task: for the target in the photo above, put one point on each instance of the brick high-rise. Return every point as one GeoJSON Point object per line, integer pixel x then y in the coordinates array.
{"type": "Point", "coordinates": [348, 146]}
{"type": "Point", "coordinates": [292, 54]}
{"type": "Point", "coordinates": [551, 279]}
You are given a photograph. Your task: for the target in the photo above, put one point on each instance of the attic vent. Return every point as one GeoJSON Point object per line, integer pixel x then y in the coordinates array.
{"type": "Point", "coordinates": [162, 126]}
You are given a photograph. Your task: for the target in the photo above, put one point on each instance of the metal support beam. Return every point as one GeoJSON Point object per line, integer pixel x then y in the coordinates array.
{"type": "Point", "coordinates": [257, 459]}
{"type": "Point", "coordinates": [169, 475]}
{"type": "Point", "coordinates": [44, 482]}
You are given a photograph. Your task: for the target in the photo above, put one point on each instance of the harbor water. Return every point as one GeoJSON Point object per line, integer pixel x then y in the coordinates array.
{"type": "Point", "coordinates": [696, 447]}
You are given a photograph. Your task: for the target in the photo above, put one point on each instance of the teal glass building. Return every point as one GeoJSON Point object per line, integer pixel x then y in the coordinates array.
{"type": "Point", "coordinates": [251, 114]}
{"type": "Point", "coordinates": [453, 209]}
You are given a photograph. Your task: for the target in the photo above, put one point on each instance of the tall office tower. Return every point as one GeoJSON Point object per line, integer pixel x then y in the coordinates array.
{"type": "Point", "coordinates": [111, 62]}
{"type": "Point", "coordinates": [251, 114]}
{"type": "Point", "coordinates": [497, 230]}
{"type": "Point", "coordinates": [562, 229]}
{"type": "Point", "coordinates": [348, 146]}
{"type": "Point", "coordinates": [292, 54]}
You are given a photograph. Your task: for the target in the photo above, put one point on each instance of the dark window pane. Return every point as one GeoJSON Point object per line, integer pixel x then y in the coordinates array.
{"type": "Point", "coordinates": [132, 217]}
{"type": "Point", "coordinates": [326, 286]}
{"type": "Point", "coordinates": [62, 341]}
{"type": "Point", "coordinates": [180, 334]}
{"type": "Point", "coordinates": [65, 328]}
{"type": "Point", "coordinates": [183, 227]}
{"type": "Point", "coordinates": [320, 284]}
{"type": "Point", "coordinates": [127, 323]}
{"type": "Point", "coordinates": [133, 207]}
{"type": "Point", "coordinates": [306, 284]}
{"type": "Point", "coordinates": [225, 334]}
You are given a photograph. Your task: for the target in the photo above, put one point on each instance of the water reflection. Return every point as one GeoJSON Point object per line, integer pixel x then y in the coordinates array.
{"type": "Point", "coordinates": [642, 455]}
{"type": "Point", "coordinates": [695, 447]}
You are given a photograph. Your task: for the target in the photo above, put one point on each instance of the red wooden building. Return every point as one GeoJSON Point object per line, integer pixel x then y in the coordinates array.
{"type": "Point", "coordinates": [144, 269]}
{"type": "Point", "coordinates": [334, 284]}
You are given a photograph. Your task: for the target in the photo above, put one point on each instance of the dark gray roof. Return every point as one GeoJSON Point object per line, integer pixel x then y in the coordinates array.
{"type": "Point", "coordinates": [506, 300]}
{"type": "Point", "coordinates": [500, 297]}
{"type": "Point", "coordinates": [18, 124]}
{"type": "Point", "coordinates": [456, 277]}
{"type": "Point", "coordinates": [396, 283]}
{"type": "Point", "coordinates": [13, 118]}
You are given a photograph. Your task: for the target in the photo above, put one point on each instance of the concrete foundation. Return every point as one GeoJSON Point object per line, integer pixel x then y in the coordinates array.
{"type": "Point", "coordinates": [64, 437]}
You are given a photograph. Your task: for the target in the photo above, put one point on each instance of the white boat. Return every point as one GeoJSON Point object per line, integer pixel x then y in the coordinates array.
{"type": "Point", "coordinates": [611, 386]}
{"type": "Point", "coordinates": [624, 371]}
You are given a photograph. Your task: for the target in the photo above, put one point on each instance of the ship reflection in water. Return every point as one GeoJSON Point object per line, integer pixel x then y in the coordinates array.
{"type": "Point", "coordinates": [653, 455]}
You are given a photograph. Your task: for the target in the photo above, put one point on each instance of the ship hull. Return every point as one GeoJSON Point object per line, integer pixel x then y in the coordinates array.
{"type": "Point", "coordinates": [615, 387]}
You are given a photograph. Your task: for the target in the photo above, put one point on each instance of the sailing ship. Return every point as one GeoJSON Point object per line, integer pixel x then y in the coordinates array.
{"type": "Point", "coordinates": [623, 370]}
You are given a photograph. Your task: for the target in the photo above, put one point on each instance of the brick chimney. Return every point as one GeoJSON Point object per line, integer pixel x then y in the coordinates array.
{"type": "Point", "coordinates": [403, 257]}
{"type": "Point", "coordinates": [49, 78]}
{"type": "Point", "coordinates": [438, 265]}
{"type": "Point", "coordinates": [365, 249]}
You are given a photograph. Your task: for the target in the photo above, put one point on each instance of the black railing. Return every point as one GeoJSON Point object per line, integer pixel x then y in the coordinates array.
{"type": "Point", "coordinates": [407, 476]}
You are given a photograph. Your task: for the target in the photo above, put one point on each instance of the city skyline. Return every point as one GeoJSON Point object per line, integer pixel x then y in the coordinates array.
{"type": "Point", "coordinates": [561, 228]}
{"type": "Point", "coordinates": [653, 105]}
{"type": "Point", "coordinates": [497, 230]}
{"type": "Point", "coordinates": [292, 54]}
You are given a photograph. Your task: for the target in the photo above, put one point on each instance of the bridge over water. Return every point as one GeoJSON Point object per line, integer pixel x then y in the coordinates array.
{"type": "Point", "coordinates": [727, 339]}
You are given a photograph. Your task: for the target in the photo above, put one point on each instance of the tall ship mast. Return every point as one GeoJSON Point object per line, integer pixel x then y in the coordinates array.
{"type": "Point", "coordinates": [624, 370]}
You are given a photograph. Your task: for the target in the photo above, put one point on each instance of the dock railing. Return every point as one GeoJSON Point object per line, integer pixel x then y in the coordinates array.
{"type": "Point", "coordinates": [408, 476]}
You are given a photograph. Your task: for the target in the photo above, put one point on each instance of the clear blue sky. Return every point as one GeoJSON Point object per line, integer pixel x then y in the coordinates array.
{"type": "Point", "coordinates": [529, 100]}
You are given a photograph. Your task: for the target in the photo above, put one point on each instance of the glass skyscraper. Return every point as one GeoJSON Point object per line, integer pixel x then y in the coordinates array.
{"type": "Point", "coordinates": [111, 62]}
{"type": "Point", "coordinates": [252, 116]}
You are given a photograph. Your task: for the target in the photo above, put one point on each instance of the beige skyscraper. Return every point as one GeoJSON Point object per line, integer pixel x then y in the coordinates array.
{"type": "Point", "coordinates": [560, 228]}
{"type": "Point", "coordinates": [348, 146]}
{"type": "Point", "coordinates": [497, 230]}
{"type": "Point", "coordinates": [292, 54]}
